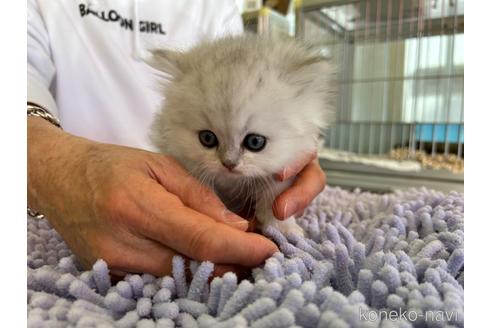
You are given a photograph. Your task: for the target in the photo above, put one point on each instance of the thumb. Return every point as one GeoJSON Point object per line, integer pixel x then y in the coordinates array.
{"type": "Point", "coordinates": [296, 167]}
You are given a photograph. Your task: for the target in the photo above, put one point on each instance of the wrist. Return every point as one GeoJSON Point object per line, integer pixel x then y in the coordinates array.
{"type": "Point", "coordinates": [52, 158]}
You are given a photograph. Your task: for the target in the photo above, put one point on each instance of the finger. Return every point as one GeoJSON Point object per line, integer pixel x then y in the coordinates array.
{"type": "Point", "coordinates": [165, 219]}
{"type": "Point", "coordinates": [295, 168]}
{"type": "Point", "coordinates": [152, 258]}
{"type": "Point", "coordinates": [309, 183]}
{"type": "Point", "coordinates": [196, 195]}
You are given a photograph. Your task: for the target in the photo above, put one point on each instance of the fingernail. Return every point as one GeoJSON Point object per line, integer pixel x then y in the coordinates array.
{"type": "Point", "coordinates": [234, 220]}
{"type": "Point", "coordinates": [230, 216]}
{"type": "Point", "coordinates": [289, 208]}
{"type": "Point", "coordinates": [284, 173]}
{"type": "Point", "coordinates": [241, 225]}
{"type": "Point", "coordinates": [273, 251]}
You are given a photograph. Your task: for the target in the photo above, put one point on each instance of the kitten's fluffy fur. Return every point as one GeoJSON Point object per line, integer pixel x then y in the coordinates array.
{"type": "Point", "coordinates": [233, 87]}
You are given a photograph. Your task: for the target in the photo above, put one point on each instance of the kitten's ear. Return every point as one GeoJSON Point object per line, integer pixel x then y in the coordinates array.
{"type": "Point", "coordinates": [167, 61]}
{"type": "Point", "coordinates": [314, 69]}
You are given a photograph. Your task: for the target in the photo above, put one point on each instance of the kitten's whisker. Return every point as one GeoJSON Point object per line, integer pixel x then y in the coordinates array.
{"type": "Point", "coordinates": [235, 193]}
{"type": "Point", "coordinates": [193, 172]}
{"type": "Point", "coordinates": [251, 196]}
{"type": "Point", "coordinates": [269, 192]}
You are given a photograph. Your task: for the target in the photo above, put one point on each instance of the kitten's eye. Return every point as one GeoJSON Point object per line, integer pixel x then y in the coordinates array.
{"type": "Point", "coordinates": [254, 142]}
{"type": "Point", "coordinates": [208, 138]}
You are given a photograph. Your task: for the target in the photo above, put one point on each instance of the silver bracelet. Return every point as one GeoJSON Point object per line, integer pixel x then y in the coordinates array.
{"type": "Point", "coordinates": [38, 111]}
{"type": "Point", "coordinates": [34, 214]}
{"type": "Point", "coordinates": [35, 110]}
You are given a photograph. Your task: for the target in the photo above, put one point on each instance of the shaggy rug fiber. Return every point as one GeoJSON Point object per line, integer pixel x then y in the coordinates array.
{"type": "Point", "coordinates": [367, 260]}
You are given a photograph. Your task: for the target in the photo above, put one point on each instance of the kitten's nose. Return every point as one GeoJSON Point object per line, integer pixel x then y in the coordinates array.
{"type": "Point", "coordinates": [229, 164]}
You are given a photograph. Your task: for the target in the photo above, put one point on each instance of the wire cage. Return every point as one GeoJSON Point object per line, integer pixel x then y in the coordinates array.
{"type": "Point", "coordinates": [400, 115]}
{"type": "Point", "coordinates": [400, 79]}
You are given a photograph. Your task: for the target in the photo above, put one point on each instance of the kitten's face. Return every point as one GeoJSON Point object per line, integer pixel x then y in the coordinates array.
{"type": "Point", "coordinates": [238, 119]}
{"type": "Point", "coordinates": [256, 132]}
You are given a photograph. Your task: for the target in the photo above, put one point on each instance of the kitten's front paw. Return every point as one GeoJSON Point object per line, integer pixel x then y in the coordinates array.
{"type": "Point", "coordinates": [294, 229]}
{"type": "Point", "coordinates": [288, 226]}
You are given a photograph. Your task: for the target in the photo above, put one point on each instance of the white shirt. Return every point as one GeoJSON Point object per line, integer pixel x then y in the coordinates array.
{"type": "Point", "coordinates": [85, 59]}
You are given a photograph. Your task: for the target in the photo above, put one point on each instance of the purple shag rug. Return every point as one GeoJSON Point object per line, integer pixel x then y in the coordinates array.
{"type": "Point", "coordinates": [367, 260]}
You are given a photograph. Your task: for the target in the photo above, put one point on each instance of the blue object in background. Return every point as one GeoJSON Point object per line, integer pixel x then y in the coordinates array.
{"type": "Point", "coordinates": [424, 132]}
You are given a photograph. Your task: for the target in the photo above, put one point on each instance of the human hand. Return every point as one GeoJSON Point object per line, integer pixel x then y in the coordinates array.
{"type": "Point", "coordinates": [132, 208]}
{"type": "Point", "coordinates": [309, 182]}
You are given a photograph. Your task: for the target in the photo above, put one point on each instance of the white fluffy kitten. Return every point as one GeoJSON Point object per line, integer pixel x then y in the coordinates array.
{"type": "Point", "coordinates": [240, 109]}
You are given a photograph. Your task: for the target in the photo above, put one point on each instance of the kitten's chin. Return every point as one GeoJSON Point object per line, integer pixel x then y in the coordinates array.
{"type": "Point", "coordinates": [232, 174]}
{"type": "Point", "coordinates": [237, 174]}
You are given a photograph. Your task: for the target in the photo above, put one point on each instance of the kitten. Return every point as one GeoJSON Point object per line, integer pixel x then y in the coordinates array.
{"type": "Point", "coordinates": [240, 109]}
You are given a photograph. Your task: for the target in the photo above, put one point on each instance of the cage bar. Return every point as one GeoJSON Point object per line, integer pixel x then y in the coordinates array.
{"type": "Point", "coordinates": [399, 85]}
